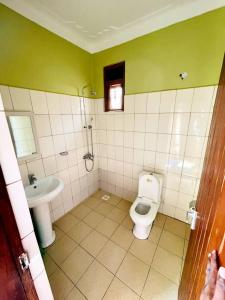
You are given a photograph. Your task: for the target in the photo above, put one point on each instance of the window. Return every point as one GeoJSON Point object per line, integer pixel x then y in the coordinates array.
{"type": "Point", "coordinates": [114, 85]}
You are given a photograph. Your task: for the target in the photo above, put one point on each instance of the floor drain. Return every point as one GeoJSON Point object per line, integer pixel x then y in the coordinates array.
{"type": "Point", "coordinates": [105, 197]}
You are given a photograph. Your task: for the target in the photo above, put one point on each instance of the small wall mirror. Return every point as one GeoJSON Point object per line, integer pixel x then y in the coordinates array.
{"type": "Point", "coordinates": [23, 133]}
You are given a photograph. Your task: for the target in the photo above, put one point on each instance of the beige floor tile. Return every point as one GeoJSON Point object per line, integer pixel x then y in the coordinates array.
{"type": "Point", "coordinates": [128, 223]}
{"type": "Point", "coordinates": [104, 208]}
{"type": "Point", "coordinates": [158, 287]}
{"type": "Point", "coordinates": [100, 193]}
{"type": "Point", "coordinates": [155, 234]}
{"type": "Point", "coordinates": [107, 227]}
{"type": "Point", "coordinates": [172, 243]}
{"type": "Point", "coordinates": [160, 220]}
{"type": "Point", "coordinates": [75, 294]}
{"type": "Point", "coordinates": [94, 242]}
{"type": "Point", "coordinates": [119, 291]}
{"type": "Point", "coordinates": [93, 219]}
{"type": "Point", "coordinates": [133, 272]}
{"type": "Point", "coordinates": [114, 200]}
{"type": "Point", "coordinates": [167, 264]}
{"type": "Point", "coordinates": [117, 215]}
{"type": "Point", "coordinates": [144, 250]}
{"type": "Point", "coordinates": [76, 264]}
{"type": "Point", "coordinates": [95, 281]}
{"type": "Point", "coordinates": [123, 237]}
{"type": "Point", "coordinates": [176, 227]}
{"type": "Point", "coordinates": [50, 265]}
{"type": "Point", "coordinates": [79, 231]}
{"type": "Point", "coordinates": [92, 202]}
{"type": "Point", "coordinates": [61, 249]}
{"type": "Point", "coordinates": [80, 211]}
{"type": "Point", "coordinates": [66, 222]}
{"type": "Point", "coordinates": [124, 205]}
{"type": "Point", "coordinates": [60, 284]}
{"type": "Point", "coordinates": [58, 232]}
{"type": "Point", "coordinates": [111, 256]}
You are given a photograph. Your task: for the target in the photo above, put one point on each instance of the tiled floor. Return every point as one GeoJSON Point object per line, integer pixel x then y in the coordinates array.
{"type": "Point", "coordinates": [95, 255]}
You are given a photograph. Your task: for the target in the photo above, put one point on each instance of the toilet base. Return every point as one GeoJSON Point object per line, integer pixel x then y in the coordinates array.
{"type": "Point", "coordinates": [141, 232]}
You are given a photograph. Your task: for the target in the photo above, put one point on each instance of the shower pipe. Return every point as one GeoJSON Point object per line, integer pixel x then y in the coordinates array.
{"type": "Point", "coordinates": [89, 155]}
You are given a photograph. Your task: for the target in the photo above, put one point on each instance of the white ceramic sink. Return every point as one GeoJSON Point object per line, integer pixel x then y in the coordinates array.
{"type": "Point", "coordinates": [38, 196]}
{"type": "Point", "coordinates": [43, 190]}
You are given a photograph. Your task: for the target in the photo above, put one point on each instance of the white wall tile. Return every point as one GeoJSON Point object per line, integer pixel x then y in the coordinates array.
{"type": "Point", "coordinates": [21, 99]}
{"type": "Point", "coordinates": [129, 122]}
{"type": "Point", "coordinates": [128, 139]}
{"type": "Point", "coordinates": [42, 287]}
{"type": "Point", "coordinates": [202, 99]}
{"type": "Point", "coordinates": [59, 143]}
{"type": "Point", "coordinates": [42, 123]}
{"type": "Point", "coordinates": [20, 208]}
{"type": "Point", "coordinates": [118, 119]}
{"type": "Point", "coordinates": [46, 146]}
{"type": "Point", "coordinates": [149, 158]}
{"type": "Point", "coordinates": [181, 123]}
{"type": "Point", "coordinates": [8, 159]}
{"type": "Point", "coordinates": [161, 161]}
{"type": "Point", "coordinates": [178, 144]}
{"type": "Point", "coordinates": [67, 122]}
{"type": "Point", "coordinates": [167, 102]}
{"type": "Point", "coordinates": [139, 140]}
{"type": "Point", "coordinates": [66, 104]}
{"type": "Point", "coordinates": [152, 123]}
{"type": "Point", "coordinates": [56, 124]}
{"type": "Point", "coordinates": [163, 143]}
{"type": "Point", "coordinates": [30, 246]}
{"type": "Point", "coordinates": [140, 103]}
{"type": "Point", "coordinates": [184, 100]}
{"type": "Point", "coordinates": [53, 102]}
{"type": "Point", "coordinates": [129, 104]}
{"type": "Point", "coordinates": [151, 141]}
{"type": "Point", "coordinates": [49, 165]}
{"type": "Point", "coordinates": [198, 124]}
{"type": "Point", "coordinates": [36, 167]}
{"type": "Point", "coordinates": [39, 102]}
{"type": "Point", "coordinates": [165, 123]}
{"type": "Point", "coordinates": [194, 146]}
{"type": "Point", "coordinates": [139, 122]}
{"type": "Point", "coordinates": [6, 98]}
{"type": "Point", "coordinates": [153, 102]}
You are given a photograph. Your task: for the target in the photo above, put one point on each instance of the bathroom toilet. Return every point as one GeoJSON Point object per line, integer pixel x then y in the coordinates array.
{"type": "Point", "coordinates": [144, 209]}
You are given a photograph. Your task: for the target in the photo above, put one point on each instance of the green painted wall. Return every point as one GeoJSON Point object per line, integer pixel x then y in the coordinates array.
{"type": "Point", "coordinates": [154, 61]}
{"type": "Point", "coordinates": [32, 57]}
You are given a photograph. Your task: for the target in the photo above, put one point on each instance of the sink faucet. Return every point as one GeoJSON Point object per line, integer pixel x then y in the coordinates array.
{"type": "Point", "coordinates": [32, 178]}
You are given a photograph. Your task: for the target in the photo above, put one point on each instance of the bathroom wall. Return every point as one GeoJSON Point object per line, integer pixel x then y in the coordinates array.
{"type": "Point", "coordinates": [154, 61]}
{"type": "Point", "coordinates": [19, 205]}
{"type": "Point", "coordinates": [59, 125]}
{"type": "Point", "coordinates": [35, 58]}
{"type": "Point", "coordinates": [165, 132]}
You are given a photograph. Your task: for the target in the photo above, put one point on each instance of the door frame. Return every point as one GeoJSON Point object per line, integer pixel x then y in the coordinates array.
{"type": "Point", "coordinates": [14, 240]}
{"type": "Point", "coordinates": [209, 232]}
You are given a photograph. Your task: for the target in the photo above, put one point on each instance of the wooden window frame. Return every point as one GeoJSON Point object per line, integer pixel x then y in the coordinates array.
{"type": "Point", "coordinates": [108, 83]}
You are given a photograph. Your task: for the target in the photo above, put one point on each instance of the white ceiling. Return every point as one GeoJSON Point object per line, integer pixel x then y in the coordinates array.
{"type": "Point", "coordinates": [95, 25]}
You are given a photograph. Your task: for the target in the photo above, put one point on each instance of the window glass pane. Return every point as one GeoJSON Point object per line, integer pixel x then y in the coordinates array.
{"type": "Point", "coordinates": [115, 96]}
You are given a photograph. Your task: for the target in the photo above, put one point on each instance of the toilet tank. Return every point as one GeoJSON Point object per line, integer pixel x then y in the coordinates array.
{"type": "Point", "coordinates": [150, 186]}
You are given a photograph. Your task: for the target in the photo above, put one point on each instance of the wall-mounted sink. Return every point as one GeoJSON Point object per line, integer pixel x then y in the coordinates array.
{"type": "Point", "coordinates": [39, 194]}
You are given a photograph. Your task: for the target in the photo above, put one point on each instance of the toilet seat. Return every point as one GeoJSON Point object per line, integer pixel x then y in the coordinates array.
{"type": "Point", "coordinates": [148, 218]}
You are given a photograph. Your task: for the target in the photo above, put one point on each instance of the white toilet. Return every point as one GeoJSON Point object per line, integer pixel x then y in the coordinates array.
{"type": "Point", "coordinates": [144, 209]}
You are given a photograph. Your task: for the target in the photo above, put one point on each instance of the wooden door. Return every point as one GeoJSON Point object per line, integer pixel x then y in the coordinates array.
{"type": "Point", "coordinates": [210, 227]}
{"type": "Point", "coordinates": [14, 283]}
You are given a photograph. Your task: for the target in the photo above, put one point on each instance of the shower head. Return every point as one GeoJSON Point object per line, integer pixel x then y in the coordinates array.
{"type": "Point", "coordinates": [91, 91]}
